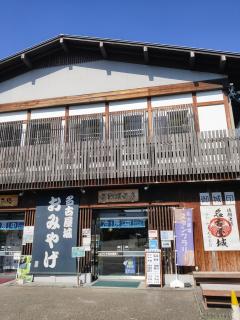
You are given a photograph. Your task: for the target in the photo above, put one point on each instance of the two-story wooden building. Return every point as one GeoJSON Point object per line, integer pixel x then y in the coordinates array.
{"type": "Point", "coordinates": [104, 138]}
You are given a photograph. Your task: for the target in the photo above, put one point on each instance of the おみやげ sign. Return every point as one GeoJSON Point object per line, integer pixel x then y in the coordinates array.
{"type": "Point", "coordinates": [220, 228]}
{"type": "Point", "coordinates": [55, 233]}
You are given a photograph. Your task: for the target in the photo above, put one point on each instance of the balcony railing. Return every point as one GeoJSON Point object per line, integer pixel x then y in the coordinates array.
{"type": "Point", "coordinates": [63, 162]}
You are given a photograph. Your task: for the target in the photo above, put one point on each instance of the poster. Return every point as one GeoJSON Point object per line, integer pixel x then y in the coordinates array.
{"type": "Point", "coordinates": [152, 234]}
{"type": "Point", "coordinates": [153, 244]}
{"type": "Point", "coordinates": [153, 267]}
{"type": "Point", "coordinates": [78, 252]}
{"type": "Point", "coordinates": [28, 232]}
{"type": "Point", "coordinates": [24, 268]}
{"type": "Point", "coordinates": [55, 233]}
{"type": "Point", "coordinates": [184, 236]}
{"type": "Point", "coordinates": [220, 228]}
{"type": "Point", "coordinates": [86, 239]}
{"type": "Point", "coordinates": [166, 235]}
{"type": "Point", "coordinates": [153, 239]}
{"type": "Point", "coordinates": [130, 265]}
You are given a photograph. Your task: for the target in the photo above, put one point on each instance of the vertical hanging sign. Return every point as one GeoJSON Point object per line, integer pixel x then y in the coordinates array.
{"type": "Point", "coordinates": [220, 228]}
{"type": "Point", "coordinates": [184, 237]}
{"type": "Point", "coordinates": [55, 234]}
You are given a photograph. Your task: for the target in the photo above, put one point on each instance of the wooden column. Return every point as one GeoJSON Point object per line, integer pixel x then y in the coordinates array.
{"type": "Point", "coordinates": [107, 120]}
{"type": "Point", "coordinates": [195, 112]}
{"type": "Point", "coordinates": [228, 111]}
{"type": "Point", "coordinates": [150, 127]}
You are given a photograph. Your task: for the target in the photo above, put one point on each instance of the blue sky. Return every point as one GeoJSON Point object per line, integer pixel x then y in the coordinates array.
{"type": "Point", "coordinates": [211, 24]}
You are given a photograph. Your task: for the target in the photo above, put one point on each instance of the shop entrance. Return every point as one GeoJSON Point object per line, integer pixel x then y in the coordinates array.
{"type": "Point", "coordinates": [121, 239]}
{"type": "Point", "coordinates": [11, 232]}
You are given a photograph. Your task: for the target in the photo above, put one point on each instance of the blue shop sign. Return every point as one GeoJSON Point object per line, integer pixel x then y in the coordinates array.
{"type": "Point", "coordinates": [11, 225]}
{"type": "Point", "coordinates": [122, 223]}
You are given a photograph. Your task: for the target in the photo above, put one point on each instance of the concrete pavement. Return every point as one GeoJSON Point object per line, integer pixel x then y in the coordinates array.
{"type": "Point", "coordinates": [59, 303]}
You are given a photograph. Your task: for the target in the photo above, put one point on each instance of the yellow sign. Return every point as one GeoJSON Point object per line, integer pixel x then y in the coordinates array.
{"type": "Point", "coordinates": [124, 195]}
{"type": "Point", "coordinates": [8, 200]}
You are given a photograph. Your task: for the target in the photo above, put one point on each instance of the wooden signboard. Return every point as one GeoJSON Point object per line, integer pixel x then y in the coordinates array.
{"type": "Point", "coordinates": [8, 200]}
{"type": "Point", "coordinates": [118, 195]}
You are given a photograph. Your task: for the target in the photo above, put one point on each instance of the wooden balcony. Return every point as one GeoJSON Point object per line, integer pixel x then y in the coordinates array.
{"type": "Point", "coordinates": [58, 163]}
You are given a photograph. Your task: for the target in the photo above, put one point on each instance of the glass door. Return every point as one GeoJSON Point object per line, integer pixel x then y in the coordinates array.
{"type": "Point", "coordinates": [11, 232]}
{"type": "Point", "coordinates": [122, 239]}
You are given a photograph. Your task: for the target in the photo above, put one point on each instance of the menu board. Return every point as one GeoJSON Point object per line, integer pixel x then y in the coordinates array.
{"type": "Point", "coordinates": [153, 266]}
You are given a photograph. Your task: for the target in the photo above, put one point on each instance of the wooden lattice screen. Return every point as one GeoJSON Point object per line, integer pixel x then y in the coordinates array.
{"type": "Point", "coordinates": [28, 221]}
{"type": "Point", "coordinates": [85, 221]}
{"type": "Point", "coordinates": [161, 218]}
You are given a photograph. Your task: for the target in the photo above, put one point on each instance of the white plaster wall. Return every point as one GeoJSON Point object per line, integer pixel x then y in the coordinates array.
{"type": "Point", "coordinates": [48, 113]}
{"type": "Point", "coordinates": [92, 77]}
{"type": "Point", "coordinates": [13, 116]}
{"type": "Point", "coordinates": [212, 118]}
{"type": "Point", "coordinates": [135, 104]}
{"type": "Point", "coordinates": [172, 100]}
{"type": "Point", "coordinates": [87, 109]}
{"type": "Point", "coordinates": [206, 96]}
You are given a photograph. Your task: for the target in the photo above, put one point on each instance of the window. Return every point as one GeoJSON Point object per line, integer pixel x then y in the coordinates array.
{"type": "Point", "coordinates": [178, 121]}
{"type": "Point", "coordinates": [173, 121]}
{"type": "Point", "coordinates": [11, 134]}
{"type": "Point", "coordinates": [40, 133]}
{"type": "Point", "coordinates": [128, 124]}
{"type": "Point", "coordinates": [133, 126]}
{"type": "Point", "coordinates": [90, 128]}
{"type": "Point", "coordinates": [44, 131]}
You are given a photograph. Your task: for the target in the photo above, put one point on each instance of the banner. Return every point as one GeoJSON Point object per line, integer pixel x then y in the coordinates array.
{"type": "Point", "coordinates": [55, 233]}
{"type": "Point", "coordinates": [24, 269]}
{"type": "Point", "coordinates": [220, 228]}
{"type": "Point", "coordinates": [184, 237]}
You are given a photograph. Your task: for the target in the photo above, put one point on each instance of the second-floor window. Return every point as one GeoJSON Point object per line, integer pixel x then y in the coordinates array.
{"type": "Point", "coordinates": [45, 131]}
{"type": "Point", "coordinates": [133, 126]}
{"type": "Point", "coordinates": [86, 128]}
{"type": "Point", "coordinates": [11, 134]}
{"type": "Point", "coordinates": [128, 124]}
{"type": "Point", "coordinates": [173, 120]}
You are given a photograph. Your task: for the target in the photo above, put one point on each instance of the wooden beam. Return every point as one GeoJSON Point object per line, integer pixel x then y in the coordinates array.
{"type": "Point", "coordinates": [103, 50]}
{"type": "Point", "coordinates": [146, 55]}
{"type": "Point", "coordinates": [192, 59]}
{"type": "Point", "coordinates": [26, 60]}
{"type": "Point", "coordinates": [115, 95]}
{"type": "Point", "coordinates": [223, 61]}
{"type": "Point", "coordinates": [64, 45]}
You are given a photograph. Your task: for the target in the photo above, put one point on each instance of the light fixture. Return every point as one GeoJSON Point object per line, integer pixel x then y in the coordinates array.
{"type": "Point", "coordinates": [83, 191]}
{"type": "Point", "coordinates": [21, 193]}
{"type": "Point", "coordinates": [146, 187]}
